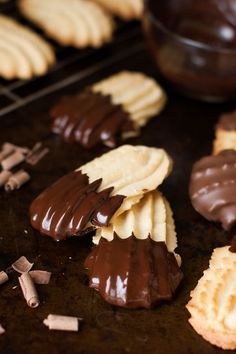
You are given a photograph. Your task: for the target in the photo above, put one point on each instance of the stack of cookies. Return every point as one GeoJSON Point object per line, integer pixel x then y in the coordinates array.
{"type": "Point", "coordinates": [116, 195]}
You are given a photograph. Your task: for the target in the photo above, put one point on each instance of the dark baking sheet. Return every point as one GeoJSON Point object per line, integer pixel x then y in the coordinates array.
{"type": "Point", "coordinates": [185, 130]}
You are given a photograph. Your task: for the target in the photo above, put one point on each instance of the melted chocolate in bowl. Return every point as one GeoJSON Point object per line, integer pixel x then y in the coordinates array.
{"type": "Point", "coordinates": [194, 45]}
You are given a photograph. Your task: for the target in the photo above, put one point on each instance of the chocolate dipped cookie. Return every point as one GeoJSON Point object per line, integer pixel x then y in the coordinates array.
{"type": "Point", "coordinates": [132, 272]}
{"type": "Point", "coordinates": [109, 111]}
{"type": "Point", "coordinates": [104, 188]}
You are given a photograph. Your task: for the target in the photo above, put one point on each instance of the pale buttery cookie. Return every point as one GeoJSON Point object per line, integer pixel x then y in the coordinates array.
{"type": "Point", "coordinates": [98, 191]}
{"type": "Point", "coordinates": [126, 9]}
{"type": "Point", "coordinates": [213, 301]}
{"type": "Point", "coordinates": [225, 133]}
{"type": "Point", "coordinates": [133, 272]}
{"type": "Point", "coordinates": [112, 109]}
{"type": "Point", "coordinates": [23, 53]}
{"type": "Point", "coordinates": [150, 217]}
{"type": "Point", "coordinates": [78, 23]}
{"type": "Point", "coordinates": [212, 188]}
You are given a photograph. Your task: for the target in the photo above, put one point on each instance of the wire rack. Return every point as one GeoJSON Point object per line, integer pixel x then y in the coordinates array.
{"type": "Point", "coordinates": [72, 64]}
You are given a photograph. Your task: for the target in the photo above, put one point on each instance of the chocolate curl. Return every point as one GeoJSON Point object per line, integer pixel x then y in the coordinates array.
{"type": "Point", "coordinates": [13, 160]}
{"type": "Point", "coordinates": [29, 291]}
{"type": "Point", "coordinates": [22, 265]}
{"type": "Point", "coordinates": [2, 330]}
{"type": "Point", "coordinates": [17, 180]}
{"type": "Point", "coordinates": [40, 276]}
{"type": "Point", "coordinates": [3, 277]}
{"type": "Point", "coordinates": [4, 177]}
{"type": "Point", "coordinates": [62, 323]}
{"type": "Point", "coordinates": [7, 149]}
{"type": "Point", "coordinates": [37, 156]}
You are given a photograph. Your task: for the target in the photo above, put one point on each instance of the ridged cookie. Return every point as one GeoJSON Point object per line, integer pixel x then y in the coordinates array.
{"type": "Point", "coordinates": [98, 191]}
{"type": "Point", "coordinates": [23, 53]}
{"type": "Point", "coordinates": [212, 188]}
{"type": "Point", "coordinates": [139, 94]}
{"type": "Point", "coordinates": [213, 301]}
{"type": "Point", "coordinates": [152, 216]}
{"type": "Point", "coordinates": [133, 273]}
{"type": "Point", "coordinates": [126, 9]}
{"type": "Point", "coordinates": [225, 133]}
{"type": "Point", "coordinates": [113, 109]}
{"type": "Point", "coordinates": [78, 23]}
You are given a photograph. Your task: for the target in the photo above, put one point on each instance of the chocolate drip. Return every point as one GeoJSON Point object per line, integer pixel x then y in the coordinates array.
{"type": "Point", "coordinates": [133, 273]}
{"type": "Point", "coordinates": [72, 205]}
{"type": "Point", "coordinates": [227, 121]}
{"type": "Point", "coordinates": [90, 118]}
{"type": "Point", "coordinates": [213, 188]}
{"type": "Point", "coordinates": [233, 245]}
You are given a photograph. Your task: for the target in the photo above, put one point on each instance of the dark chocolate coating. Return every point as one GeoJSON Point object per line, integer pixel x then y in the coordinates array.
{"type": "Point", "coordinates": [233, 244]}
{"type": "Point", "coordinates": [213, 188]}
{"type": "Point", "coordinates": [227, 121]}
{"type": "Point", "coordinates": [65, 208]}
{"type": "Point", "coordinates": [133, 273]}
{"type": "Point", "coordinates": [90, 119]}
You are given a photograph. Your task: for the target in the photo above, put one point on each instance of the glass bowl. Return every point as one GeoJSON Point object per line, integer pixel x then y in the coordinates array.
{"type": "Point", "coordinates": [193, 43]}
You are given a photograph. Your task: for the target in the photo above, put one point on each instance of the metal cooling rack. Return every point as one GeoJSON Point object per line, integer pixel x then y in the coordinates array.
{"type": "Point", "coordinates": [72, 64]}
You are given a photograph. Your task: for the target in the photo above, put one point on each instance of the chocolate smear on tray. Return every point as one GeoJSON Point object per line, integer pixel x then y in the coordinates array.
{"type": "Point", "coordinates": [227, 121]}
{"type": "Point", "coordinates": [133, 273]}
{"type": "Point", "coordinates": [72, 205]}
{"type": "Point", "coordinates": [213, 188]}
{"type": "Point", "coordinates": [90, 118]}
{"type": "Point", "coordinates": [233, 244]}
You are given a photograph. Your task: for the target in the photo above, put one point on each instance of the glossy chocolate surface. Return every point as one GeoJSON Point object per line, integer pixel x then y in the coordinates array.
{"type": "Point", "coordinates": [90, 119]}
{"type": "Point", "coordinates": [213, 188]}
{"type": "Point", "coordinates": [194, 45]}
{"type": "Point", "coordinates": [72, 205]}
{"type": "Point", "coordinates": [227, 121]}
{"type": "Point", "coordinates": [133, 273]}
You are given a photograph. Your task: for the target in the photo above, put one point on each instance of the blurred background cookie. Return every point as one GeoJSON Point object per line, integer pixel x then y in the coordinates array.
{"type": "Point", "coordinates": [212, 188]}
{"type": "Point", "coordinates": [109, 111]}
{"type": "Point", "coordinates": [213, 301]}
{"type": "Point", "coordinates": [126, 9]}
{"type": "Point", "coordinates": [23, 53]}
{"type": "Point", "coordinates": [225, 133]}
{"type": "Point", "coordinates": [78, 23]}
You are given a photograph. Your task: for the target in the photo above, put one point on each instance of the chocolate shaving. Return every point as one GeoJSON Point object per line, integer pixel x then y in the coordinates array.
{"type": "Point", "coordinates": [36, 154]}
{"type": "Point", "coordinates": [40, 276]}
{"type": "Point", "coordinates": [13, 160]}
{"type": "Point", "coordinates": [2, 330]}
{"type": "Point", "coordinates": [17, 180]}
{"type": "Point", "coordinates": [71, 205]}
{"type": "Point", "coordinates": [62, 323]}
{"type": "Point", "coordinates": [22, 265]}
{"type": "Point", "coordinates": [29, 290]}
{"type": "Point", "coordinates": [7, 149]}
{"type": "Point", "coordinates": [232, 247]}
{"type": "Point", "coordinates": [3, 277]}
{"type": "Point", "coordinates": [4, 177]}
